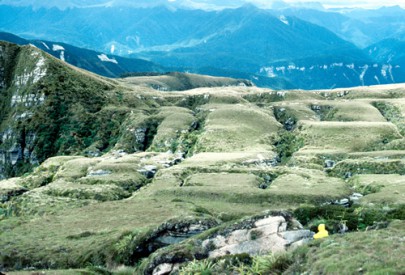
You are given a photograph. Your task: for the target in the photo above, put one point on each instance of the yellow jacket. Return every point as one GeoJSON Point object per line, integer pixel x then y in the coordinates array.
{"type": "Point", "coordinates": [322, 232]}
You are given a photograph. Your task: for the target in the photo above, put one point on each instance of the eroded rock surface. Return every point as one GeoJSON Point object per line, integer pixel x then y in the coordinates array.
{"type": "Point", "coordinates": [270, 233]}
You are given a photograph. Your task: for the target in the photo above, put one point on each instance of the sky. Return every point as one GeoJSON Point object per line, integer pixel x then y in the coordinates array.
{"type": "Point", "coordinates": [370, 4]}
{"type": "Point", "coordinates": [357, 3]}
{"type": "Point", "coordinates": [209, 4]}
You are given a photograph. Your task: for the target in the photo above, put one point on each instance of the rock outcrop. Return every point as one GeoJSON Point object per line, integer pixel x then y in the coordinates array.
{"type": "Point", "coordinates": [10, 188]}
{"type": "Point", "coordinates": [270, 233]}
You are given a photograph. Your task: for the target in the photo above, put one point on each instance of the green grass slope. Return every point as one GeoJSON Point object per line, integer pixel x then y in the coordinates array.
{"type": "Point", "coordinates": [121, 166]}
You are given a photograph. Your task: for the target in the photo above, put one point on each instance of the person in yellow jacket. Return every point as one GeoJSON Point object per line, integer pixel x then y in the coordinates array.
{"type": "Point", "coordinates": [322, 232]}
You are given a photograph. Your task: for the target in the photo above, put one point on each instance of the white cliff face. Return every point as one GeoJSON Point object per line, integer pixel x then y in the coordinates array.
{"type": "Point", "coordinates": [27, 100]}
{"type": "Point", "coordinates": [23, 96]}
{"type": "Point", "coordinates": [32, 76]}
{"type": "Point", "coordinates": [357, 74]}
{"type": "Point", "coordinates": [29, 68]}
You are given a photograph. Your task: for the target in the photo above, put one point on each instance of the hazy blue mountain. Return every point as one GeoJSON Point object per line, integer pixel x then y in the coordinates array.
{"type": "Point", "coordinates": [294, 47]}
{"type": "Point", "coordinates": [190, 4]}
{"type": "Point", "coordinates": [256, 37]}
{"type": "Point", "coordinates": [389, 51]}
{"type": "Point", "coordinates": [282, 47]}
{"type": "Point", "coordinates": [9, 37]}
{"type": "Point", "coordinates": [63, 4]}
{"type": "Point", "coordinates": [388, 11]}
{"type": "Point", "coordinates": [116, 66]}
{"type": "Point", "coordinates": [362, 27]}
{"type": "Point", "coordinates": [97, 62]}
{"type": "Point", "coordinates": [350, 29]}
{"type": "Point", "coordinates": [128, 29]}
{"type": "Point", "coordinates": [380, 24]}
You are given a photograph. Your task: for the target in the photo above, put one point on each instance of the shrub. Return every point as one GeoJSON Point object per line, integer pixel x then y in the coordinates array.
{"type": "Point", "coordinates": [287, 143]}
{"type": "Point", "coordinates": [204, 267]}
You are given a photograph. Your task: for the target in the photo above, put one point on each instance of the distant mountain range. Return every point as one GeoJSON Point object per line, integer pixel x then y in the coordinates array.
{"type": "Point", "coordinates": [286, 47]}
{"type": "Point", "coordinates": [185, 4]}
{"type": "Point", "coordinates": [388, 51]}
{"type": "Point", "coordinates": [97, 62]}
{"type": "Point", "coordinates": [359, 26]}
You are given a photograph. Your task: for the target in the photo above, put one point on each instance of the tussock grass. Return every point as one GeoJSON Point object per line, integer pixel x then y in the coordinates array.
{"type": "Point", "coordinates": [393, 112]}
{"type": "Point", "coordinates": [309, 183]}
{"type": "Point", "coordinates": [183, 81]}
{"type": "Point", "coordinates": [76, 168]}
{"type": "Point", "coordinates": [368, 166]}
{"type": "Point", "coordinates": [105, 192]}
{"type": "Point", "coordinates": [236, 128]}
{"type": "Point", "coordinates": [229, 159]}
{"type": "Point", "coordinates": [81, 211]}
{"type": "Point", "coordinates": [296, 109]}
{"type": "Point", "coordinates": [386, 189]}
{"type": "Point", "coordinates": [352, 136]}
{"type": "Point", "coordinates": [377, 252]}
{"type": "Point", "coordinates": [356, 110]}
{"type": "Point", "coordinates": [177, 123]}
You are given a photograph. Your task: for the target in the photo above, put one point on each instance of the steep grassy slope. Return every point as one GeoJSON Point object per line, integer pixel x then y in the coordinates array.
{"type": "Point", "coordinates": [48, 108]}
{"type": "Point", "coordinates": [144, 176]}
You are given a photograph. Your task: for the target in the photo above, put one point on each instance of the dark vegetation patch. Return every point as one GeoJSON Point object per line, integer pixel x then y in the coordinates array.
{"type": "Point", "coordinates": [266, 179]}
{"type": "Point", "coordinates": [286, 144]}
{"type": "Point", "coordinates": [286, 118]}
{"type": "Point", "coordinates": [8, 61]}
{"type": "Point", "coordinates": [84, 234]}
{"type": "Point", "coordinates": [354, 218]}
{"type": "Point", "coordinates": [151, 126]}
{"type": "Point", "coordinates": [188, 142]}
{"type": "Point", "coordinates": [193, 101]}
{"type": "Point", "coordinates": [287, 141]}
{"type": "Point", "coordinates": [348, 168]}
{"type": "Point", "coordinates": [263, 99]}
{"type": "Point", "coordinates": [392, 114]}
{"type": "Point", "coordinates": [324, 112]}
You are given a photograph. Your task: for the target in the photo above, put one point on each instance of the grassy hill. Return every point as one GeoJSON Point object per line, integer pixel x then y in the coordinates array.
{"type": "Point", "coordinates": [128, 178]}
